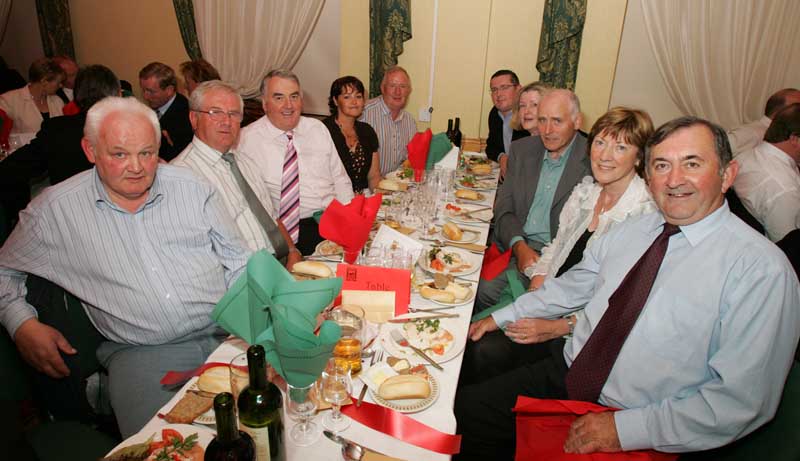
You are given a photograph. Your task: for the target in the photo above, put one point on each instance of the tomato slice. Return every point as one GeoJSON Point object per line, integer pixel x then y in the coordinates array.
{"type": "Point", "coordinates": [167, 435]}
{"type": "Point", "coordinates": [155, 446]}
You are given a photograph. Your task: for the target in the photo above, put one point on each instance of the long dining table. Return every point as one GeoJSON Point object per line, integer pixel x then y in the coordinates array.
{"type": "Point", "coordinates": [439, 415]}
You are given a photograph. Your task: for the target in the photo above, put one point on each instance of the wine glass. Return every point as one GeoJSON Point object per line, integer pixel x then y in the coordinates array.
{"type": "Point", "coordinates": [301, 407]}
{"type": "Point", "coordinates": [239, 375]}
{"type": "Point", "coordinates": [336, 388]}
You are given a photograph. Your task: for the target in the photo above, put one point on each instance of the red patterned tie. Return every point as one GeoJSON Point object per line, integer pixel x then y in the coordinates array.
{"type": "Point", "coordinates": [589, 372]}
{"type": "Point", "coordinates": [290, 191]}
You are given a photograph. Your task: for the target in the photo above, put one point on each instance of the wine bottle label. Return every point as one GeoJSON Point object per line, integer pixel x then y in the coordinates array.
{"type": "Point", "coordinates": [260, 437]}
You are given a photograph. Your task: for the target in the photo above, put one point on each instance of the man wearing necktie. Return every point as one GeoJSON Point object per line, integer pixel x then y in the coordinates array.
{"type": "Point", "coordinates": [159, 91]}
{"type": "Point", "coordinates": [216, 116]}
{"type": "Point", "coordinates": [297, 157]}
{"type": "Point", "coordinates": [692, 319]}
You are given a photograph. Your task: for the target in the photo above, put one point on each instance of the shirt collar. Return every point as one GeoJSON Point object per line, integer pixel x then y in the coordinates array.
{"type": "Point", "coordinates": [560, 161]}
{"type": "Point", "coordinates": [206, 152]}
{"type": "Point", "coordinates": [779, 155]}
{"type": "Point", "coordinates": [163, 109]}
{"type": "Point", "coordinates": [101, 196]}
{"type": "Point", "coordinates": [506, 117]}
{"type": "Point", "coordinates": [695, 233]}
{"type": "Point", "coordinates": [387, 112]}
{"type": "Point", "coordinates": [276, 133]}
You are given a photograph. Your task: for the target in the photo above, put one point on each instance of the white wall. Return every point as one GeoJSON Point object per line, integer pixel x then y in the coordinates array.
{"type": "Point", "coordinates": [319, 64]}
{"type": "Point", "coordinates": [22, 44]}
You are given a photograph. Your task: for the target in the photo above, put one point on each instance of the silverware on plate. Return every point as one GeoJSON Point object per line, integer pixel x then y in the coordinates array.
{"type": "Point", "coordinates": [403, 342]}
{"type": "Point", "coordinates": [435, 315]}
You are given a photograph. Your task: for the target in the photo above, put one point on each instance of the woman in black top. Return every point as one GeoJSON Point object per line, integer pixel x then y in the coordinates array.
{"type": "Point", "coordinates": [355, 141]}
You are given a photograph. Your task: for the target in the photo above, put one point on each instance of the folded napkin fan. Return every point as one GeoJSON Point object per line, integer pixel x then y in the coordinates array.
{"type": "Point", "coordinates": [267, 306]}
{"type": "Point", "coordinates": [510, 293]}
{"type": "Point", "coordinates": [542, 427]}
{"type": "Point", "coordinates": [439, 148]}
{"type": "Point", "coordinates": [349, 225]}
{"type": "Point", "coordinates": [418, 152]}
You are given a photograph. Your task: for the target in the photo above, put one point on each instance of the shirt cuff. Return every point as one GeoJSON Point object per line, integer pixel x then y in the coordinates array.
{"type": "Point", "coordinates": [513, 241]}
{"type": "Point", "coordinates": [632, 430]}
{"type": "Point", "coordinates": [17, 313]}
{"type": "Point", "coordinates": [504, 316]}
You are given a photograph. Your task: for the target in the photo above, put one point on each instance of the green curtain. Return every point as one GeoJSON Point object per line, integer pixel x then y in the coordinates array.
{"type": "Point", "coordinates": [55, 27]}
{"type": "Point", "coordinates": [389, 27]}
{"type": "Point", "coordinates": [560, 42]}
{"type": "Point", "coordinates": [184, 11]}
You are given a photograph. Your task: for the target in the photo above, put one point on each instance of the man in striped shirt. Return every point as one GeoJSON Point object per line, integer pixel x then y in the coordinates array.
{"type": "Point", "coordinates": [216, 116]}
{"type": "Point", "coordinates": [148, 249]}
{"type": "Point", "coordinates": [394, 125]}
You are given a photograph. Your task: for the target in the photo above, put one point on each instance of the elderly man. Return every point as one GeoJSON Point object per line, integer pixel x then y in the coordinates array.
{"type": "Point", "coordinates": [542, 171]}
{"type": "Point", "coordinates": [159, 91]}
{"type": "Point", "coordinates": [296, 154]}
{"type": "Point", "coordinates": [768, 182]}
{"type": "Point", "coordinates": [394, 126]}
{"type": "Point", "coordinates": [503, 86]}
{"type": "Point", "coordinates": [693, 341]}
{"type": "Point", "coordinates": [216, 115]}
{"type": "Point", "coordinates": [148, 249]}
{"type": "Point", "coordinates": [66, 92]}
{"type": "Point", "coordinates": [749, 135]}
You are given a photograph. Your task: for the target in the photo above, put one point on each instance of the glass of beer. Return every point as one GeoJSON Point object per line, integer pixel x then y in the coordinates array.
{"type": "Point", "coordinates": [351, 319]}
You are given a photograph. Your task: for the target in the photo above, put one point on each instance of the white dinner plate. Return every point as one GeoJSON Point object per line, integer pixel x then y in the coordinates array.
{"type": "Point", "coordinates": [204, 435]}
{"type": "Point", "coordinates": [478, 185]}
{"type": "Point", "coordinates": [409, 405]}
{"type": "Point", "coordinates": [468, 300]}
{"type": "Point", "coordinates": [395, 350]}
{"type": "Point", "coordinates": [329, 250]}
{"type": "Point", "coordinates": [473, 259]}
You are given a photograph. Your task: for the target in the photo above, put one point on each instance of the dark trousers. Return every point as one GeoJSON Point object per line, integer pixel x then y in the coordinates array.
{"type": "Point", "coordinates": [495, 354]}
{"type": "Point", "coordinates": [309, 236]}
{"type": "Point", "coordinates": [483, 410]}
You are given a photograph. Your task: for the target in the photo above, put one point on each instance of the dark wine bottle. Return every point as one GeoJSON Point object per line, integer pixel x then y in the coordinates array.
{"type": "Point", "coordinates": [260, 408]}
{"type": "Point", "coordinates": [457, 133]}
{"type": "Point", "coordinates": [230, 444]}
{"type": "Point", "coordinates": [450, 129]}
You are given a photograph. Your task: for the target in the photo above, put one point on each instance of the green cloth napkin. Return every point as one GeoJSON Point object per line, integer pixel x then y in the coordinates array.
{"type": "Point", "coordinates": [317, 215]}
{"type": "Point", "coordinates": [267, 306]}
{"type": "Point", "coordinates": [511, 292]}
{"type": "Point", "coordinates": [439, 147]}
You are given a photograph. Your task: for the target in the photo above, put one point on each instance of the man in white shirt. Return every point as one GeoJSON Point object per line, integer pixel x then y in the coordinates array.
{"type": "Point", "coordinates": [768, 183]}
{"type": "Point", "coordinates": [216, 116]}
{"type": "Point", "coordinates": [297, 158]}
{"type": "Point", "coordinates": [386, 115]}
{"type": "Point", "coordinates": [749, 135]}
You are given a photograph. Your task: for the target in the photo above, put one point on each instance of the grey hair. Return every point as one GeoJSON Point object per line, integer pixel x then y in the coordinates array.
{"type": "Point", "coordinates": [721, 144]}
{"type": "Point", "coordinates": [282, 73]}
{"type": "Point", "coordinates": [197, 98]}
{"type": "Point", "coordinates": [394, 70]}
{"type": "Point", "coordinates": [575, 103]}
{"type": "Point", "coordinates": [113, 104]}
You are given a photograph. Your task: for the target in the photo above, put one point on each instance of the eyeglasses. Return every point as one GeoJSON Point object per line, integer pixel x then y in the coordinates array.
{"type": "Point", "coordinates": [218, 115]}
{"type": "Point", "coordinates": [501, 88]}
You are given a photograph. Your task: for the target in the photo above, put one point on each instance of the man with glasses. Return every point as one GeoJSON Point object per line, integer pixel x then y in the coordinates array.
{"type": "Point", "coordinates": [159, 91]}
{"type": "Point", "coordinates": [394, 126]}
{"type": "Point", "coordinates": [216, 116]}
{"type": "Point", "coordinates": [503, 86]}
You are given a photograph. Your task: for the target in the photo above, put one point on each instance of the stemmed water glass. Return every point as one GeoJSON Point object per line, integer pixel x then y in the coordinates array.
{"type": "Point", "coordinates": [336, 388]}
{"type": "Point", "coordinates": [301, 407]}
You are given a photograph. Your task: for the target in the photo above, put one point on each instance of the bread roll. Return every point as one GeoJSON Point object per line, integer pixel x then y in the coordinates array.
{"type": "Point", "coordinates": [467, 194]}
{"type": "Point", "coordinates": [460, 292]}
{"type": "Point", "coordinates": [215, 380]}
{"type": "Point", "coordinates": [452, 231]}
{"type": "Point", "coordinates": [315, 268]}
{"type": "Point", "coordinates": [481, 168]}
{"type": "Point", "coordinates": [389, 184]}
{"type": "Point", "coordinates": [437, 295]}
{"type": "Point", "coordinates": [405, 387]}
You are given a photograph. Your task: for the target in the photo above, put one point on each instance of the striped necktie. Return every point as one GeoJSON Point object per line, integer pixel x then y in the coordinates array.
{"type": "Point", "coordinates": [290, 191]}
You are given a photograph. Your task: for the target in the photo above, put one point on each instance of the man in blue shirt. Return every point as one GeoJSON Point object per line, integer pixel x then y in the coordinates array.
{"type": "Point", "coordinates": [706, 359]}
{"type": "Point", "coordinates": [542, 171]}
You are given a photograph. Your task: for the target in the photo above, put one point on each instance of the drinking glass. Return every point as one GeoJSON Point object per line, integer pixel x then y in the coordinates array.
{"type": "Point", "coordinates": [240, 377]}
{"type": "Point", "coordinates": [348, 348]}
{"type": "Point", "coordinates": [336, 388]}
{"type": "Point", "coordinates": [301, 408]}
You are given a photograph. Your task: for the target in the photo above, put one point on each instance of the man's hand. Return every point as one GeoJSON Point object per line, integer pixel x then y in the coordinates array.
{"type": "Point", "coordinates": [536, 282]}
{"type": "Point", "coordinates": [503, 160]}
{"type": "Point", "coordinates": [593, 432]}
{"type": "Point", "coordinates": [531, 331]}
{"type": "Point", "coordinates": [292, 258]}
{"type": "Point", "coordinates": [481, 327]}
{"type": "Point", "coordinates": [39, 345]}
{"type": "Point", "coordinates": [526, 256]}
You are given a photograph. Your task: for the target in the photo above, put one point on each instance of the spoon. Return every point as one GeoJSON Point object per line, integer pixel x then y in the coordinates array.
{"type": "Point", "coordinates": [351, 451]}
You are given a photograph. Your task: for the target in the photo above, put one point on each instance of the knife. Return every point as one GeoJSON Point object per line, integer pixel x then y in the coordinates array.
{"type": "Point", "coordinates": [402, 342]}
{"type": "Point", "coordinates": [423, 317]}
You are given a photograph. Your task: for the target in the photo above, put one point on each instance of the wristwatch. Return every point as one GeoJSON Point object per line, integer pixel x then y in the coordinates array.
{"type": "Point", "coordinates": [571, 324]}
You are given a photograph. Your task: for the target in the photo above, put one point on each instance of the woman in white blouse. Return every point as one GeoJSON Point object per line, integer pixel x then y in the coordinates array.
{"type": "Point", "coordinates": [29, 105]}
{"type": "Point", "coordinates": [617, 192]}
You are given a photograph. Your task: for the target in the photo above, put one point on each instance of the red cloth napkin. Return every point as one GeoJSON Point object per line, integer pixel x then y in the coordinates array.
{"type": "Point", "coordinates": [542, 427]}
{"type": "Point", "coordinates": [494, 262]}
{"type": "Point", "coordinates": [70, 109]}
{"type": "Point", "coordinates": [349, 225]}
{"type": "Point", "coordinates": [418, 152]}
{"type": "Point", "coordinates": [172, 378]}
{"type": "Point", "coordinates": [5, 127]}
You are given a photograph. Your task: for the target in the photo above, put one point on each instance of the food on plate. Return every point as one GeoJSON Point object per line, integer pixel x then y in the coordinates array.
{"type": "Point", "coordinates": [481, 169]}
{"type": "Point", "coordinates": [428, 335]}
{"type": "Point", "coordinates": [192, 405]}
{"type": "Point", "coordinates": [328, 248]}
{"type": "Point", "coordinates": [468, 181]}
{"type": "Point", "coordinates": [477, 160]}
{"type": "Point", "coordinates": [405, 173]}
{"type": "Point", "coordinates": [440, 260]}
{"type": "Point", "coordinates": [392, 185]}
{"type": "Point", "coordinates": [215, 380]}
{"type": "Point", "coordinates": [468, 194]}
{"type": "Point", "coordinates": [452, 231]}
{"type": "Point", "coordinates": [459, 291]}
{"type": "Point", "coordinates": [172, 447]}
{"type": "Point", "coordinates": [453, 208]}
{"type": "Point", "coordinates": [399, 365]}
{"type": "Point", "coordinates": [405, 387]}
{"type": "Point", "coordinates": [135, 452]}
{"type": "Point", "coordinates": [437, 295]}
{"type": "Point", "coordinates": [315, 268]}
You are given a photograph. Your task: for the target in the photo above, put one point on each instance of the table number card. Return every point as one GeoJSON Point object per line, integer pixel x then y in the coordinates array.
{"type": "Point", "coordinates": [381, 292]}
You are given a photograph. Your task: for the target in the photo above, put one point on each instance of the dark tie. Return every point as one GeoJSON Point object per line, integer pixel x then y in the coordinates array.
{"type": "Point", "coordinates": [589, 372]}
{"type": "Point", "coordinates": [279, 244]}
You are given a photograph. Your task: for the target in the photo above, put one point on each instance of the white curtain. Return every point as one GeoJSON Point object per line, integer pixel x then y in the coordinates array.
{"type": "Point", "coordinates": [245, 39]}
{"type": "Point", "coordinates": [5, 9]}
{"type": "Point", "coordinates": [722, 59]}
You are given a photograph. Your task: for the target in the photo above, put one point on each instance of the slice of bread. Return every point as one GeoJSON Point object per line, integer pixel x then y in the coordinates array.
{"type": "Point", "coordinates": [188, 408]}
